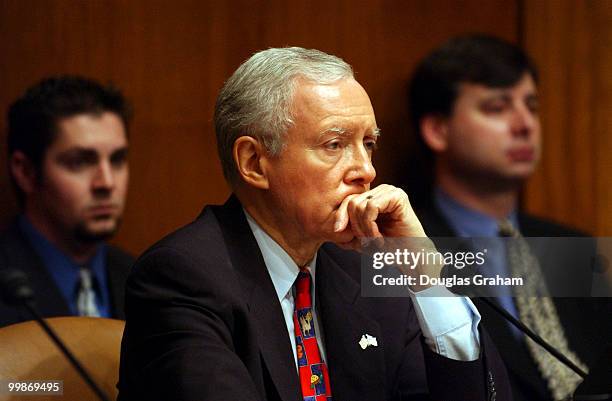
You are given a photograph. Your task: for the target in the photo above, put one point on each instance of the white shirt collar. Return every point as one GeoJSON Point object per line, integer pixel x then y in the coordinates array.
{"type": "Point", "coordinates": [283, 270]}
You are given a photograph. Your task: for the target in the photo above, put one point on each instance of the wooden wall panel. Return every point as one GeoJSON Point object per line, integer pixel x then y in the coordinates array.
{"type": "Point", "coordinates": [571, 41]}
{"type": "Point", "coordinates": [171, 58]}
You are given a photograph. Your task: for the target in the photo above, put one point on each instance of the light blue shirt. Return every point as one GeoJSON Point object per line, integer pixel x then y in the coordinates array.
{"type": "Point", "coordinates": [449, 323]}
{"type": "Point", "coordinates": [470, 223]}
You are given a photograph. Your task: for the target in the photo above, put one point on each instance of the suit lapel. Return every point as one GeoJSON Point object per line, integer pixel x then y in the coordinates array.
{"type": "Point", "coordinates": [21, 255]}
{"type": "Point", "coordinates": [341, 315]}
{"type": "Point", "coordinates": [355, 373]}
{"type": "Point", "coordinates": [264, 306]}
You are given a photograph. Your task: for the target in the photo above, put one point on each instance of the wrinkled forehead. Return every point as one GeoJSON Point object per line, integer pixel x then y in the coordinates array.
{"type": "Point", "coordinates": [343, 102]}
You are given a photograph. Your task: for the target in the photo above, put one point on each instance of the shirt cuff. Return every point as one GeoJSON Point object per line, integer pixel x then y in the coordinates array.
{"type": "Point", "coordinates": [449, 323]}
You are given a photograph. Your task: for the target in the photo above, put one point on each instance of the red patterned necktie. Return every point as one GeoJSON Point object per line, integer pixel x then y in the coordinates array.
{"type": "Point", "coordinates": [314, 377]}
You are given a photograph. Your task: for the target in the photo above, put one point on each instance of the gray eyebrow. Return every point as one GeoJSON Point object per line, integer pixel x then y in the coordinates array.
{"type": "Point", "coordinates": [337, 130]}
{"type": "Point", "coordinates": [341, 131]}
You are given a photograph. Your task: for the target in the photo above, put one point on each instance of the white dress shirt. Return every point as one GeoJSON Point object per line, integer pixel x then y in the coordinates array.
{"type": "Point", "coordinates": [449, 323]}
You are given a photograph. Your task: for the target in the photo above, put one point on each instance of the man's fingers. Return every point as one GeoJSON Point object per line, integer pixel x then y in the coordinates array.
{"type": "Point", "coordinates": [355, 212]}
{"type": "Point", "coordinates": [360, 211]}
{"type": "Point", "coordinates": [342, 218]}
{"type": "Point", "coordinates": [370, 216]}
{"type": "Point", "coordinates": [363, 211]}
{"type": "Point", "coordinates": [384, 210]}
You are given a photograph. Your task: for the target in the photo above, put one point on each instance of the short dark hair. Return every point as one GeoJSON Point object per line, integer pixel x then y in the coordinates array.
{"type": "Point", "coordinates": [477, 58]}
{"type": "Point", "coordinates": [33, 118]}
{"type": "Point", "coordinates": [434, 86]}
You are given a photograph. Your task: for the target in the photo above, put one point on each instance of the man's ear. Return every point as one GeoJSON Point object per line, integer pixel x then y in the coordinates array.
{"type": "Point", "coordinates": [434, 130]}
{"type": "Point", "coordinates": [248, 153]}
{"type": "Point", "coordinates": [23, 172]}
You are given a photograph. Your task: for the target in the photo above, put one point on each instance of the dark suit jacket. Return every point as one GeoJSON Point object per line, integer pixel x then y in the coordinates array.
{"type": "Point", "coordinates": [587, 328]}
{"type": "Point", "coordinates": [17, 253]}
{"type": "Point", "coordinates": [204, 323]}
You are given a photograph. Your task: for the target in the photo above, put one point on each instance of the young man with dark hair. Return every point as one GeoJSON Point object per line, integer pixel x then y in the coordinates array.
{"type": "Point", "coordinates": [67, 158]}
{"type": "Point", "coordinates": [474, 105]}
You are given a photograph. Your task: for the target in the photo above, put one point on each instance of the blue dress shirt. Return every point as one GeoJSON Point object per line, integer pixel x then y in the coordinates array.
{"type": "Point", "coordinates": [65, 272]}
{"type": "Point", "coordinates": [470, 223]}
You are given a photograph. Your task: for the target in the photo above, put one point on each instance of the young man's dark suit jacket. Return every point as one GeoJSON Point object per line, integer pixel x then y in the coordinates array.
{"type": "Point", "coordinates": [17, 253]}
{"type": "Point", "coordinates": [583, 318]}
{"type": "Point", "coordinates": [204, 323]}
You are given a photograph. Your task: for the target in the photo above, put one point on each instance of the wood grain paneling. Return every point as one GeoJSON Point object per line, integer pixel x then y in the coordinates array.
{"type": "Point", "coordinates": [171, 58]}
{"type": "Point", "coordinates": [571, 41]}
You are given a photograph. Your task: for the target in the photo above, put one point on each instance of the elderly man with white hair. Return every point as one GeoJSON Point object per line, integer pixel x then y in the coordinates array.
{"type": "Point", "coordinates": [255, 300]}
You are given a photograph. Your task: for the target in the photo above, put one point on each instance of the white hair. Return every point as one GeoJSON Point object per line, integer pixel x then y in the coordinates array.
{"type": "Point", "coordinates": [256, 100]}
